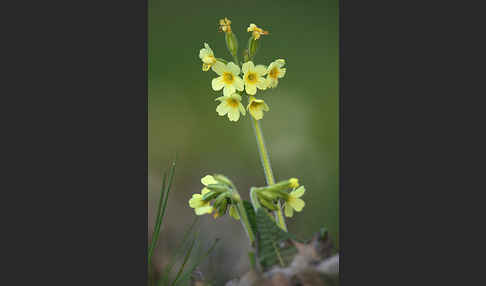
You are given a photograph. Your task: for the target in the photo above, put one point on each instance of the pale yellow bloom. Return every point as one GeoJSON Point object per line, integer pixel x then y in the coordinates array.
{"type": "Point", "coordinates": [274, 72]}
{"type": "Point", "coordinates": [199, 205]}
{"type": "Point", "coordinates": [228, 79]}
{"type": "Point", "coordinates": [225, 25]}
{"type": "Point", "coordinates": [294, 202]}
{"type": "Point", "coordinates": [207, 57]}
{"type": "Point", "coordinates": [256, 107]}
{"type": "Point", "coordinates": [253, 77]}
{"type": "Point", "coordinates": [208, 180]}
{"type": "Point", "coordinates": [230, 105]}
{"type": "Point", "coordinates": [256, 32]}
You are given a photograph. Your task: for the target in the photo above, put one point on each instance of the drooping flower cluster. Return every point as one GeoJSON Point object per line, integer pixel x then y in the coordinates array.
{"type": "Point", "coordinates": [254, 78]}
{"type": "Point", "coordinates": [219, 190]}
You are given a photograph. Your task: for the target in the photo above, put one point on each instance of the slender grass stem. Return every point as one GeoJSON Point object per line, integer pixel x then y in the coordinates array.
{"type": "Point", "coordinates": [267, 168]}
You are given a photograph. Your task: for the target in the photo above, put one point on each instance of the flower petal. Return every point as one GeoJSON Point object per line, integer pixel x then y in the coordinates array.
{"type": "Point", "coordinates": [232, 67]}
{"type": "Point", "coordinates": [248, 66]}
{"type": "Point", "coordinates": [204, 210]}
{"type": "Point", "coordinates": [204, 191]}
{"type": "Point", "coordinates": [208, 180]}
{"type": "Point", "coordinates": [298, 193]}
{"type": "Point", "coordinates": [239, 83]}
{"type": "Point", "coordinates": [217, 83]}
{"type": "Point", "coordinates": [219, 67]}
{"type": "Point", "coordinates": [289, 212]}
{"type": "Point", "coordinates": [261, 69]}
{"type": "Point", "coordinates": [297, 204]}
{"type": "Point", "coordinates": [261, 83]}
{"type": "Point", "coordinates": [281, 74]}
{"type": "Point", "coordinates": [251, 89]}
{"type": "Point", "coordinates": [222, 109]}
{"type": "Point", "coordinates": [234, 115]}
{"type": "Point", "coordinates": [228, 90]}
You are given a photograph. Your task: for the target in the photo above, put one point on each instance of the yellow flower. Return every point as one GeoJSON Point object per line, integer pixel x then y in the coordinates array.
{"type": "Point", "coordinates": [256, 32]}
{"type": "Point", "coordinates": [199, 205]}
{"type": "Point", "coordinates": [225, 25]}
{"type": "Point", "coordinates": [228, 78]}
{"type": "Point", "coordinates": [294, 202]}
{"type": "Point", "coordinates": [208, 180]}
{"type": "Point", "coordinates": [207, 57]}
{"type": "Point", "coordinates": [230, 105]}
{"type": "Point", "coordinates": [275, 71]}
{"type": "Point", "coordinates": [253, 77]}
{"type": "Point", "coordinates": [256, 107]}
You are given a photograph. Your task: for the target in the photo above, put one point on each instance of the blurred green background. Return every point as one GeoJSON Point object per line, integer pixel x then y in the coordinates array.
{"type": "Point", "coordinates": [301, 129]}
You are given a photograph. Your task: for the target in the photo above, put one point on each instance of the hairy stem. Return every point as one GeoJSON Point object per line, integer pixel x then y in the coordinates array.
{"type": "Point", "coordinates": [245, 222]}
{"type": "Point", "coordinates": [267, 168]}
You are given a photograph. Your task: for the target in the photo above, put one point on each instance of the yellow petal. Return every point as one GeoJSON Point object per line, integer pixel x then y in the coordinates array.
{"type": "Point", "coordinates": [208, 180]}
{"type": "Point", "coordinates": [299, 192]}
{"type": "Point", "coordinates": [289, 212]}
{"type": "Point", "coordinates": [296, 203]}
{"type": "Point", "coordinates": [204, 210]}
{"type": "Point", "coordinates": [205, 191]}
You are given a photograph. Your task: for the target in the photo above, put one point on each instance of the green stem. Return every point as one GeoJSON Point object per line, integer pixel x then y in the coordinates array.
{"type": "Point", "coordinates": [267, 168]}
{"type": "Point", "coordinates": [245, 222]}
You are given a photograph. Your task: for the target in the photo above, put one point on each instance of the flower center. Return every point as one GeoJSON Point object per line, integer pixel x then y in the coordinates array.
{"type": "Point", "coordinates": [232, 102]}
{"type": "Point", "coordinates": [274, 73]}
{"type": "Point", "coordinates": [251, 77]}
{"type": "Point", "coordinates": [228, 77]}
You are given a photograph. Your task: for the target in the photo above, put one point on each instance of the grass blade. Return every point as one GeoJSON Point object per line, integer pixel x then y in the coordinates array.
{"type": "Point", "coordinates": [186, 258]}
{"type": "Point", "coordinates": [167, 270]}
{"type": "Point", "coordinates": [161, 210]}
{"type": "Point", "coordinates": [188, 273]}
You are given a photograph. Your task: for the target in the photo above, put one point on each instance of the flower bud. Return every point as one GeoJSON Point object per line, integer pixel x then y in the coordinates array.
{"type": "Point", "coordinates": [253, 45]}
{"type": "Point", "coordinates": [231, 43]}
{"type": "Point", "coordinates": [268, 204]}
{"type": "Point", "coordinates": [222, 179]}
{"type": "Point", "coordinates": [220, 188]}
{"type": "Point", "coordinates": [209, 196]}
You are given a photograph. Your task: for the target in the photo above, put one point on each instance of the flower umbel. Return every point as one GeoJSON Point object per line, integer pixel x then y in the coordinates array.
{"type": "Point", "coordinates": [228, 78]}
{"type": "Point", "coordinates": [207, 57]}
{"type": "Point", "coordinates": [294, 202]}
{"type": "Point", "coordinates": [275, 71]}
{"type": "Point", "coordinates": [253, 77]}
{"type": "Point", "coordinates": [225, 25]}
{"type": "Point", "coordinates": [256, 32]}
{"type": "Point", "coordinates": [256, 107]}
{"type": "Point", "coordinates": [230, 105]}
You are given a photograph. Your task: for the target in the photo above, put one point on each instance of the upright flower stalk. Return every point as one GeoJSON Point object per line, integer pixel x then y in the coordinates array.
{"type": "Point", "coordinates": [267, 169]}
{"type": "Point", "coordinates": [219, 195]}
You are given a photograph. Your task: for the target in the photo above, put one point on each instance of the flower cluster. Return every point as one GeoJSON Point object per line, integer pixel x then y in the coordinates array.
{"type": "Point", "coordinates": [288, 191]}
{"type": "Point", "coordinates": [219, 190]}
{"type": "Point", "coordinates": [222, 192]}
{"type": "Point", "coordinates": [236, 80]}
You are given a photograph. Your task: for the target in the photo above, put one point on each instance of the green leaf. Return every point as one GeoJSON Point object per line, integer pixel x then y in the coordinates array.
{"type": "Point", "coordinates": [273, 244]}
